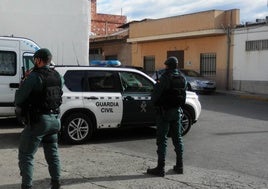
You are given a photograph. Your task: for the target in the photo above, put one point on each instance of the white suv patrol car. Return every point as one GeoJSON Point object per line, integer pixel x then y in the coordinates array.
{"type": "Point", "coordinates": [110, 97]}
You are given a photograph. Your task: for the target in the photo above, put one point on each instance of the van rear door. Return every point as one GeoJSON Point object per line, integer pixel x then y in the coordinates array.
{"type": "Point", "coordinates": [9, 75]}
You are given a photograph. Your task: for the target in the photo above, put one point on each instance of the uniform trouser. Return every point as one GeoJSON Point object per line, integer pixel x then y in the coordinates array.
{"type": "Point", "coordinates": [169, 120]}
{"type": "Point", "coordinates": [31, 137]}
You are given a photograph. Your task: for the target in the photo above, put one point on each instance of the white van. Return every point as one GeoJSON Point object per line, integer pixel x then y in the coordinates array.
{"type": "Point", "coordinates": [16, 58]}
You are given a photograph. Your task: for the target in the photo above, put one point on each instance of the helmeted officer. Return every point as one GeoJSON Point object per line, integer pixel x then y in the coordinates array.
{"type": "Point", "coordinates": [169, 114]}
{"type": "Point", "coordinates": [39, 97]}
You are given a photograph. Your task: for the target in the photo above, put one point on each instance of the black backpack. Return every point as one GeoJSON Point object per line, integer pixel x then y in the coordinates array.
{"type": "Point", "coordinates": [175, 96]}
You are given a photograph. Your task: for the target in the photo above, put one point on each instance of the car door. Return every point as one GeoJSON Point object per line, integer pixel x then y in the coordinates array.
{"type": "Point", "coordinates": [102, 96]}
{"type": "Point", "coordinates": [137, 105]}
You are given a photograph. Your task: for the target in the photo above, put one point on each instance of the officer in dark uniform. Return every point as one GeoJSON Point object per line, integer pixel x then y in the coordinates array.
{"type": "Point", "coordinates": [168, 116]}
{"type": "Point", "coordinates": [38, 100]}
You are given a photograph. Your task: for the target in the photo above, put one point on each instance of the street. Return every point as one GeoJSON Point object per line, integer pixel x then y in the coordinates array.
{"type": "Point", "coordinates": [228, 141]}
{"type": "Point", "coordinates": [231, 134]}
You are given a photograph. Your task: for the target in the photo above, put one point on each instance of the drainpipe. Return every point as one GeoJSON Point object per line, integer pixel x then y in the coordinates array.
{"type": "Point", "coordinates": [228, 56]}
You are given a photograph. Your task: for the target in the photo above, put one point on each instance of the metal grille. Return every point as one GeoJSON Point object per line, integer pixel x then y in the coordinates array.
{"type": "Point", "coordinates": [257, 45]}
{"type": "Point", "coordinates": [149, 64]}
{"type": "Point", "coordinates": [208, 64]}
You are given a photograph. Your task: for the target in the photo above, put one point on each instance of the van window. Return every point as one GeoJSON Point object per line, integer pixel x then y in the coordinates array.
{"type": "Point", "coordinates": [8, 64]}
{"type": "Point", "coordinates": [28, 62]}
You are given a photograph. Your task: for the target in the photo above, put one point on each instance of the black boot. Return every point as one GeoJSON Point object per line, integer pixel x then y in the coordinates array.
{"type": "Point", "coordinates": [159, 170]}
{"type": "Point", "coordinates": [178, 168]}
{"type": "Point", "coordinates": [55, 184]}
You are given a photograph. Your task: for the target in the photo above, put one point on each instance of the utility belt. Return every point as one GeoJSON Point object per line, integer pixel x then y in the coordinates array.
{"type": "Point", "coordinates": [45, 111]}
{"type": "Point", "coordinates": [35, 114]}
{"type": "Point", "coordinates": [50, 112]}
{"type": "Point", "coordinates": [28, 114]}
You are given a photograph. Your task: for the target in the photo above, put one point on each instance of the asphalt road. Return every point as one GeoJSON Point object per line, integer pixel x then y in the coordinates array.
{"type": "Point", "coordinates": [230, 135]}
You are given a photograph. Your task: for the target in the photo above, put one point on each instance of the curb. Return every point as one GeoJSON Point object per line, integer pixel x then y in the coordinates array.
{"type": "Point", "coordinates": [246, 95]}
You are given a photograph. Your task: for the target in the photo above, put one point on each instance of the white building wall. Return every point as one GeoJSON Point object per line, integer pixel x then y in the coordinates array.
{"type": "Point", "coordinates": [61, 25]}
{"type": "Point", "coordinates": [250, 68]}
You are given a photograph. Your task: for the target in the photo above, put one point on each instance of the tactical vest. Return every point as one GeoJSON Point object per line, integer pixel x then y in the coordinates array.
{"type": "Point", "coordinates": [175, 96]}
{"type": "Point", "coordinates": [49, 99]}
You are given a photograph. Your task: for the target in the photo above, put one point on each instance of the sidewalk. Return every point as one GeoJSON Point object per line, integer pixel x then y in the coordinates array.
{"type": "Point", "coordinates": [97, 167]}
{"type": "Point", "coordinates": [246, 95]}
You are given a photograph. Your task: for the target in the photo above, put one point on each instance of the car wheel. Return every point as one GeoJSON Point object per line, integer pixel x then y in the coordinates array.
{"type": "Point", "coordinates": [77, 128]}
{"type": "Point", "coordinates": [186, 122]}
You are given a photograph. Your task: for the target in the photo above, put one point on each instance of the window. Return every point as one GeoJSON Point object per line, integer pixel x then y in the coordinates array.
{"type": "Point", "coordinates": [95, 51]}
{"type": "Point", "coordinates": [208, 64]}
{"type": "Point", "coordinates": [95, 54]}
{"type": "Point", "coordinates": [133, 82]}
{"type": "Point", "coordinates": [257, 45]}
{"type": "Point", "coordinates": [8, 64]}
{"type": "Point", "coordinates": [28, 63]}
{"type": "Point", "coordinates": [74, 80]}
{"type": "Point", "coordinates": [149, 64]}
{"type": "Point", "coordinates": [102, 81]}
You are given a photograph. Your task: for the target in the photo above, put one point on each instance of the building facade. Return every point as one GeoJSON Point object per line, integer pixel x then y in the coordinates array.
{"type": "Point", "coordinates": [104, 24]}
{"type": "Point", "coordinates": [201, 41]}
{"type": "Point", "coordinates": [250, 67]}
{"type": "Point", "coordinates": [210, 42]}
{"type": "Point", "coordinates": [108, 40]}
{"type": "Point", "coordinates": [112, 47]}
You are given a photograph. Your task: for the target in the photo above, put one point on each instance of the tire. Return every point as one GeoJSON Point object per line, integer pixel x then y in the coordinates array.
{"type": "Point", "coordinates": [186, 122]}
{"type": "Point", "coordinates": [77, 128]}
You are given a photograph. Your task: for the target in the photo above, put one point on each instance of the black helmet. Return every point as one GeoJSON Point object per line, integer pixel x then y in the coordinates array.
{"type": "Point", "coordinates": [172, 62]}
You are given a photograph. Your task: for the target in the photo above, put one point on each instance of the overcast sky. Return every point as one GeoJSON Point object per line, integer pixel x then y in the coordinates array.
{"type": "Point", "coordinates": [250, 10]}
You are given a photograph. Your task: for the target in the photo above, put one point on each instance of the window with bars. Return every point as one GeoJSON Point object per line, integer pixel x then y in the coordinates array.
{"type": "Point", "coordinates": [208, 64]}
{"type": "Point", "coordinates": [257, 45]}
{"type": "Point", "coordinates": [149, 64]}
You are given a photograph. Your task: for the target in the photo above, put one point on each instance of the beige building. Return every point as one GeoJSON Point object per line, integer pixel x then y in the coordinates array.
{"type": "Point", "coordinates": [112, 47]}
{"type": "Point", "coordinates": [199, 41]}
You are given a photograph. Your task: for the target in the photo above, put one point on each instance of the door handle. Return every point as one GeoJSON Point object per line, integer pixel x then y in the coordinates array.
{"type": "Point", "coordinates": [129, 98]}
{"type": "Point", "coordinates": [14, 85]}
{"type": "Point", "coordinates": [91, 98]}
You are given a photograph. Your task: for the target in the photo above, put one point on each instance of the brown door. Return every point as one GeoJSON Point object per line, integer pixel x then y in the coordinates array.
{"type": "Point", "coordinates": [179, 55]}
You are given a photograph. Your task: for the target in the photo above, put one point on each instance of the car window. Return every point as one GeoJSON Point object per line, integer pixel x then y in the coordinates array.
{"type": "Point", "coordinates": [102, 81]}
{"type": "Point", "coordinates": [133, 82]}
{"type": "Point", "coordinates": [74, 80]}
